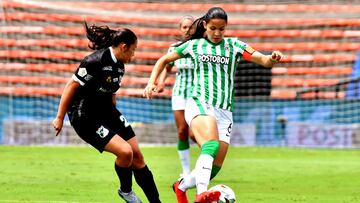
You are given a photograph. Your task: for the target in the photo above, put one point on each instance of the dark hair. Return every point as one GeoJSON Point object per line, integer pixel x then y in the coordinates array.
{"type": "Point", "coordinates": [103, 37]}
{"type": "Point", "coordinates": [212, 13]}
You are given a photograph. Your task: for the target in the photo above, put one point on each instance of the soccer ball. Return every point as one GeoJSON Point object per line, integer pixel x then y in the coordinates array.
{"type": "Point", "coordinates": [227, 194]}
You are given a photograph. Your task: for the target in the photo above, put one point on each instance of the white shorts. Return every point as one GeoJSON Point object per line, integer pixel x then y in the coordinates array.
{"type": "Point", "coordinates": [178, 103]}
{"type": "Point", "coordinates": [224, 118]}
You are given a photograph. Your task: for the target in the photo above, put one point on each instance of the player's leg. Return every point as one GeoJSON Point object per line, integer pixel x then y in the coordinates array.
{"type": "Point", "coordinates": [123, 129]}
{"type": "Point", "coordinates": [225, 123]}
{"type": "Point", "coordinates": [206, 133]}
{"type": "Point", "coordinates": [183, 145]}
{"type": "Point", "coordinates": [124, 157]}
{"type": "Point", "coordinates": [219, 160]}
{"type": "Point", "coordinates": [143, 175]}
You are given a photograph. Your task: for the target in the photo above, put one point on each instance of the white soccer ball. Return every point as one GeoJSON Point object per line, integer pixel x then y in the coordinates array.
{"type": "Point", "coordinates": [227, 194]}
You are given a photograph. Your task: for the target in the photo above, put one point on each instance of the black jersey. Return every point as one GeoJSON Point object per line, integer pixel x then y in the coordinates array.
{"type": "Point", "coordinates": [100, 77]}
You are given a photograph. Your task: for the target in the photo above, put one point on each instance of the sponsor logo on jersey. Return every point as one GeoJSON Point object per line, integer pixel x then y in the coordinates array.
{"type": "Point", "coordinates": [104, 90]}
{"type": "Point", "coordinates": [120, 70]}
{"type": "Point", "coordinates": [214, 59]}
{"type": "Point", "coordinates": [109, 68]}
{"type": "Point", "coordinates": [102, 131]}
{"type": "Point", "coordinates": [108, 79]}
{"type": "Point", "coordinates": [88, 77]}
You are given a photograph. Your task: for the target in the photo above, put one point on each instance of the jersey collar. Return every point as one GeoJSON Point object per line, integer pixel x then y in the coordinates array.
{"type": "Point", "coordinates": [112, 54]}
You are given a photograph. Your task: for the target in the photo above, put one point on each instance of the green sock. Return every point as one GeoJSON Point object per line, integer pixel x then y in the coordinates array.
{"type": "Point", "coordinates": [183, 144]}
{"type": "Point", "coordinates": [214, 171]}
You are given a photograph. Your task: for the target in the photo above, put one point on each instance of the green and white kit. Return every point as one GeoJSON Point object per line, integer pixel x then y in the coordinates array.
{"type": "Point", "coordinates": [213, 84]}
{"type": "Point", "coordinates": [183, 83]}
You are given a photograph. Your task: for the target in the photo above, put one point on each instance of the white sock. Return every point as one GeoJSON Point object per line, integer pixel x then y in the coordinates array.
{"type": "Point", "coordinates": [188, 181]}
{"type": "Point", "coordinates": [202, 172]}
{"type": "Point", "coordinates": [184, 156]}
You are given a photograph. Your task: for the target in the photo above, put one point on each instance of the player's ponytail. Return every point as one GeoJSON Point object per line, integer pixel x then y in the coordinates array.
{"type": "Point", "coordinates": [102, 36]}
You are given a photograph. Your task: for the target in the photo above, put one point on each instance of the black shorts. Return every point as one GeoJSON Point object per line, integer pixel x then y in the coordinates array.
{"type": "Point", "coordinates": [97, 130]}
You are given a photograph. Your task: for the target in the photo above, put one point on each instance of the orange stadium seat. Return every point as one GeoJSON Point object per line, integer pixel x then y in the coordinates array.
{"type": "Point", "coordinates": [315, 33]}
{"type": "Point", "coordinates": [174, 20]}
{"type": "Point", "coordinates": [300, 46]}
{"type": "Point", "coordinates": [334, 8]}
{"type": "Point", "coordinates": [312, 71]}
{"type": "Point", "coordinates": [52, 91]}
{"type": "Point", "coordinates": [302, 82]}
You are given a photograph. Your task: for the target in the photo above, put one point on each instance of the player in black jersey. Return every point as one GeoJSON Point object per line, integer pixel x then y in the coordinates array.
{"type": "Point", "coordinates": [90, 101]}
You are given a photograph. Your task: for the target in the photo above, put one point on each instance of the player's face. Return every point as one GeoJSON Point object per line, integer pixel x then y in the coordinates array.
{"type": "Point", "coordinates": [129, 52]}
{"type": "Point", "coordinates": [215, 30]}
{"type": "Point", "coordinates": [184, 28]}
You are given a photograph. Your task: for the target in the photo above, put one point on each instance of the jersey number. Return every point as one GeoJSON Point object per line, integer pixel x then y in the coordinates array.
{"type": "Point", "coordinates": [123, 119]}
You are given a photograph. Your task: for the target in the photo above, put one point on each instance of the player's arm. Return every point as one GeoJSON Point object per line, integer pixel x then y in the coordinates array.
{"type": "Point", "coordinates": [161, 83]}
{"type": "Point", "coordinates": [263, 60]}
{"type": "Point", "coordinates": [65, 100]}
{"type": "Point", "coordinates": [158, 68]}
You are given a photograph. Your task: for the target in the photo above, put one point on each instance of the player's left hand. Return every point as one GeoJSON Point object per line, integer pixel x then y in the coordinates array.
{"type": "Point", "coordinates": [149, 89]}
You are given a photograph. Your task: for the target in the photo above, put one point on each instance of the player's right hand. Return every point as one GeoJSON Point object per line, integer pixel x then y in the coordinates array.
{"type": "Point", "coordinates": [149, 89]}
{"type": "Point", "coordinates": [57, 124]}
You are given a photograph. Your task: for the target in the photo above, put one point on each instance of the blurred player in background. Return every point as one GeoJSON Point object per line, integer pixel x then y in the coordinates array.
{"type": "Point", "coordinates": [180, 94]}
{"type": "Point", "coordinates": [90, 101]}
{"type": "Point", "coordinates": [209, 111]}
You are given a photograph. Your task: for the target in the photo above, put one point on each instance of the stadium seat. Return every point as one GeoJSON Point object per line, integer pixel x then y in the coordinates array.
{"type": "Point", "coordinates": [37, 41]}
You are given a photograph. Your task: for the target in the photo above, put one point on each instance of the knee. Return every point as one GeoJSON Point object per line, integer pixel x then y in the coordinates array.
{"type": "Point", "coordinates": [125, 156]}
{"type": "Point", "coordinates": [138, 160]}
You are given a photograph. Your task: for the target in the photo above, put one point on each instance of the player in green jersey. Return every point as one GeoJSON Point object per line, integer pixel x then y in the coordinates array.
{"type": "Point", "coordinates": [180, 94]}
{"type": "Point", "coordinates": [209, 111]}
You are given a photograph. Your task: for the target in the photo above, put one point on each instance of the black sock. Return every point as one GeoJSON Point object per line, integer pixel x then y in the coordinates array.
{"type": "Point", "coordinates": [125, 177]}
{"type": "Point", "coordinates": [145, 180]}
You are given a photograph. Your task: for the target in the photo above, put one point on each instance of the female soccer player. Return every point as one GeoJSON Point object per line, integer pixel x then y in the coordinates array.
{"type": "Point", "coordinates": [209, 111]}
{"type": "Point", "coordinates": [90, 101]}
{"type": "Point", "coordinates": [180, 94]}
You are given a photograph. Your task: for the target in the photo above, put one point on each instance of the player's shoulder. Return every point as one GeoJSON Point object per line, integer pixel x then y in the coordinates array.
{"type": "Point", "coordinates": [234, 41]}
{"type": "Point", "coordinates": [176, 44]}
{"type": "Point", "coordinates": [96, 57]}
{"type": "Point", "coordinates": [231, 39]}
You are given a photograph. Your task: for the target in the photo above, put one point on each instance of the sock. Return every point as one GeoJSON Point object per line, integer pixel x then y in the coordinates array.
{"type": "Point", "coordinates": [125, 177]}
{"type": "Point", "coordinates": [145, 180]}
{"type": "Point", "coordinates": [204, 164]}
{"type": "Point", "coordinates": [184, 156]}
{"type": "Point", "coordinates": [203, 170]}
{"type": "Point", "coordinates": [214, 171]}
{"type": "Point", "coordinates": [188, 181]}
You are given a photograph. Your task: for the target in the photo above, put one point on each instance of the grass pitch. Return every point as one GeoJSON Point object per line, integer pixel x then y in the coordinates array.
{"type": "Point", "coordinates": [261, 175]}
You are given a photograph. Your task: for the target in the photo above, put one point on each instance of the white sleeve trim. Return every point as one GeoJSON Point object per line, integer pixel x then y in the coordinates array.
{"type": "Point", "coordinates": [74, 77]}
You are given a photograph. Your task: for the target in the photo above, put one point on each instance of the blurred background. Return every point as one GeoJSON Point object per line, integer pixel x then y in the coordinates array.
{"type": "Point", "coordinates": [311, 99]}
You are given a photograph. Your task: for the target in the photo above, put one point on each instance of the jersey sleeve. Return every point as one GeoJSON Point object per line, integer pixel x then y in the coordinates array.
{"type": "Point", "coordinates": [85, 72]}
{"type": "Point", "coordinates": [245, 50]}
{"type": "Point", "coordinates": [183, 50]}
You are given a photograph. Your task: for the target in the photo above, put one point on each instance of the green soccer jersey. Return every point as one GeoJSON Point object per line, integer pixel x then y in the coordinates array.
{"type": "Point", "coordinates": [214, 69]}
{"type": "Point", "coordinates": [184, 76]}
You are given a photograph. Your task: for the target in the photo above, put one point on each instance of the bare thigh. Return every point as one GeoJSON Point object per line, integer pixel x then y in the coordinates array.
{"type": "Point", "coordinates": [204, 128]}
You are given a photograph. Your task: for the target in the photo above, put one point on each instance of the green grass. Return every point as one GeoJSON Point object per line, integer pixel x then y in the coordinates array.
{"type": "Point", "coordinates": [261, 175]}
